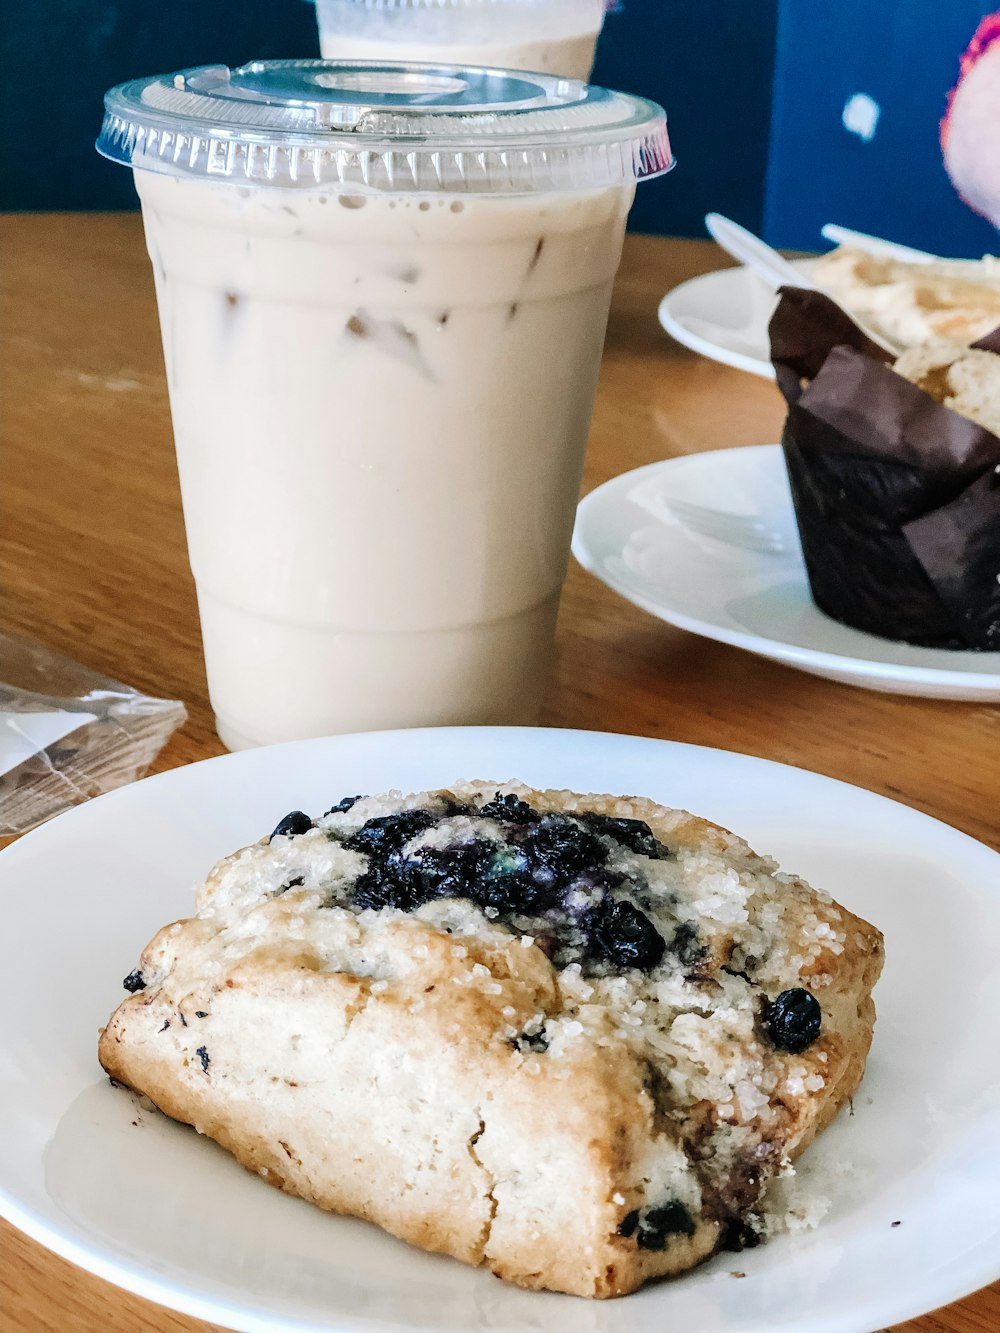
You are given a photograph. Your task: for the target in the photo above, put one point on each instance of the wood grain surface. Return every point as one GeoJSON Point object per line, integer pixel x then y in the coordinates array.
{"type": "Point", "coordinates": [93, 563]}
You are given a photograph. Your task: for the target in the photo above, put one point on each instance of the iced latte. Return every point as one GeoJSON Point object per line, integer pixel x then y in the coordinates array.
{"type": "Point", "coordinates": [381, 394]}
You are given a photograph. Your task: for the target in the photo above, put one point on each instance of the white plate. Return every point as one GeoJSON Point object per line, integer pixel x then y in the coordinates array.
{"type": "Point", "coordinates": [724, 316]}
{"type": "Point", "coordinates": [151, 1206]}
{"type": "Point", "coordinates": [708, 542]}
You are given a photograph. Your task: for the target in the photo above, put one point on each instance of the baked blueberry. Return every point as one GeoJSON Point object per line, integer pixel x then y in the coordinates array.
{"type": "Point", "coordinates": [509, 809]}
{"type": "Point", "coordinates": [628, 1224]}
{"type": "Point", "coordinates": [635, 834]}
{"type": "Point", "coordinates": [686, 945]}
{"type": "Point", "coordinates": [404, 870]}
{"type": "Point", "coordinates": [386, 833]}
{"type": "Point", "coordinates": [558, 849]}
{"type": "Point", "coordinates": [292, 825]}
{"type": "Point", "coordinates": [135, 981]}
{"type": "Point", "coordinates": [344, 805]}
{"type": "Point", "coordinates": [659, 1224]}
{"type": "Point", "coordinates": [512, 891]}
{"type": "Point", "coordinates": [793, 1020]}
{"type": "Point", "coordinates": [456, 872]}
{"type": "Point", "coordinates": [625, 936]}
{"type": "Point", "coordinates": [376, 890]}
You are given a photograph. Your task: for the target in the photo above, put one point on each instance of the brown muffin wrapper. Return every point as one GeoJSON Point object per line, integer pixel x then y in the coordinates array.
{"type": "Point", "coordinates": [897, 497]}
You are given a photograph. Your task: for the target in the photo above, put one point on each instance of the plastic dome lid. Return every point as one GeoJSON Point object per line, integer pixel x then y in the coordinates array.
{"type": "Point", "coordinates": [384, 126]}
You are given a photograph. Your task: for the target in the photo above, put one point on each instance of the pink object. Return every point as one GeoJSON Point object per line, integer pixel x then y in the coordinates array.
{"type": "Point", "coordinates": [970, 129]}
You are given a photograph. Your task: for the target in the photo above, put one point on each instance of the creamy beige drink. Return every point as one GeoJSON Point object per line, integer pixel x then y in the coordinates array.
{"type": "Point", "coordinates": [555, 36]}
{"type": "Point", "coordinates": [381, 400]}
{"type": "Point", "coordinates": [381, 409]}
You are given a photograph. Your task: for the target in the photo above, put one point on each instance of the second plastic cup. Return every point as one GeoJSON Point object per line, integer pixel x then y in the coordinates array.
{"type": "Point", "coordinates": [382, 326]}
{"type": "Point", "coordinates": [556, 36]}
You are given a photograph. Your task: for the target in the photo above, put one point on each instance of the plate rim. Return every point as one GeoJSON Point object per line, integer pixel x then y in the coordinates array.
{"type": "Point", "coordinates": [236, 758]}
{"type": "Point", "coordinates": [694, 342]}
{"type": "Point", "coordinates": [966, 1277]}
{"type": "Point", "coordinates": [775, 649]}
{"type": "Point", "coordinates": [703, 346]}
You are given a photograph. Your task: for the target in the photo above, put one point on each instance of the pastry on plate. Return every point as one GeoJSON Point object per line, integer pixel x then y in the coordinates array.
{"type": "Point", "coordinates": [569, 1038]}
{"type": "Point", "coordinates": [894, 468]}
{"type": "Point", "coordinates": [914, 303]}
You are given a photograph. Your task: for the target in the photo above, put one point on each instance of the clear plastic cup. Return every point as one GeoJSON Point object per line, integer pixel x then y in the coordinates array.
{"type": "Point", "coordinates": [383, 294]}
{"type": "Point", "coordinates": [555, 36]}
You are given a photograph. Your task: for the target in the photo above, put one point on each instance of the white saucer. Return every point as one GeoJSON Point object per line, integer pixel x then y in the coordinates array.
{"type": "Point", "coordinates": [724, 316]}
{"type": "Point", "coordinates": [912, 1175]}
{"type": "Point", "coordinates": [708, 542]}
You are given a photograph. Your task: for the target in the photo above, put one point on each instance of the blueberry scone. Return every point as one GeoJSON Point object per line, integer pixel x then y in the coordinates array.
{"type": "Point", "coordinates": [569, 1038]}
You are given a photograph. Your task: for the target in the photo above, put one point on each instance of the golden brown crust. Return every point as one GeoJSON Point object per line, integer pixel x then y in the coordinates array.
{"type": "Point", "coordinates": [366, 1064]}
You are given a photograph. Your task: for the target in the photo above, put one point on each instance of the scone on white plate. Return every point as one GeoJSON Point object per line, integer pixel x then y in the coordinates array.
{"type": "Point", "coordinates": [569, 1038]}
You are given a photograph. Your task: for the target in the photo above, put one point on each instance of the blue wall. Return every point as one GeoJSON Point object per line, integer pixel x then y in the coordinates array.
{"type": "Point", "coordinates": [710, 63]}
{"type": "Point", "coordinates": [754, 89]}
{"type": "Point", "coordinates": [904, 55]}
{"type": "Point", "coordinates": [60, 56]}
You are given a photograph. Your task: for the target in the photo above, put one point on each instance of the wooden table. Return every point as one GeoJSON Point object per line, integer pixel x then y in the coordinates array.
{"type": "Point", "coordinates": [93, 559]}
